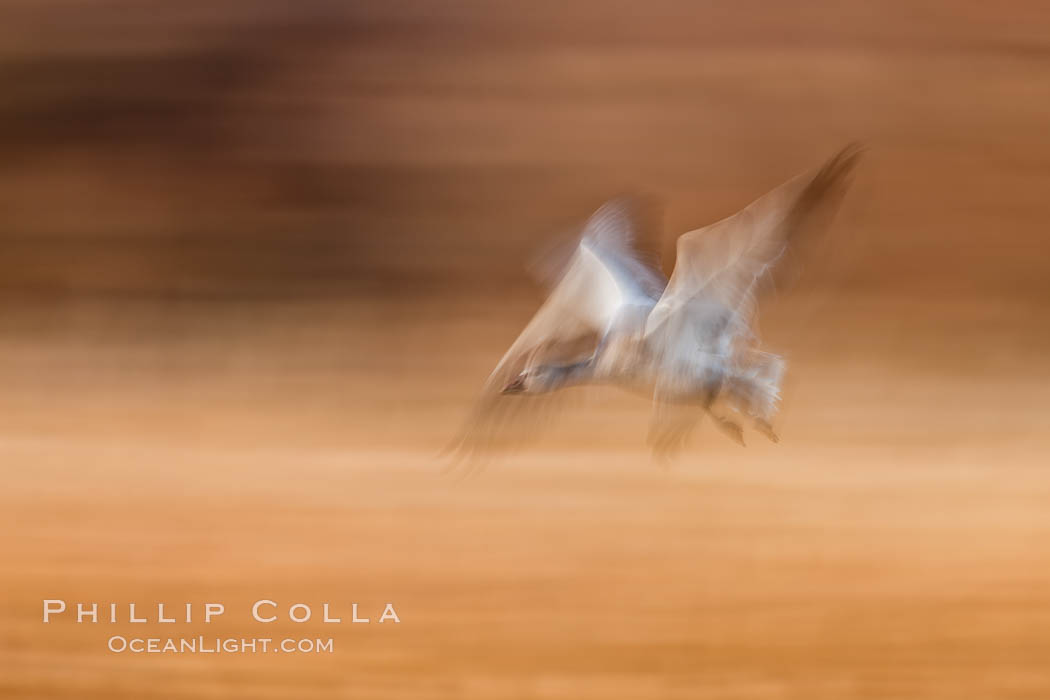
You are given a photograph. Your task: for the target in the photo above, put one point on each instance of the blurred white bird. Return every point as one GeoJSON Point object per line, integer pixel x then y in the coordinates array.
{"type": "Point", "coordinates": [688, 341]}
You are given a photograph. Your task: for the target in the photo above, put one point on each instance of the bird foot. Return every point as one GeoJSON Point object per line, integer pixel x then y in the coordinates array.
{"type": "Point", "coordinates": [766, 429]}
{"type": "Point", "coordinates": [732, 429]}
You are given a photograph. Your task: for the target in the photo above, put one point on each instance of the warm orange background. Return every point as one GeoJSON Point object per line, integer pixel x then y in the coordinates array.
{"type": "Point", "coordinates": [256, 259]}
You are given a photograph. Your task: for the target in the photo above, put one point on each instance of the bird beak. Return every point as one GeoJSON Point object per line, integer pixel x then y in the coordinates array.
{"type": "Point", "coordinates": [515, 387]}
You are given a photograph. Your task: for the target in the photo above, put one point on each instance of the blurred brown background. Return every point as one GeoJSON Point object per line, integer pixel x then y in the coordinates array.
{"type": "Point", "coordinates": [256, 258]}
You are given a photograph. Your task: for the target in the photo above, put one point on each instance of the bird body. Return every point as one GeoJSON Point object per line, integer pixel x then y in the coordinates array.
{"type": "Point", "coordinates": [688, 341]}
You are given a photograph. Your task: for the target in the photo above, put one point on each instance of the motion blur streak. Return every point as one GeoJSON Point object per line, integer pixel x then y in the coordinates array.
{"type": "Point", "coordinates": [256, 259]}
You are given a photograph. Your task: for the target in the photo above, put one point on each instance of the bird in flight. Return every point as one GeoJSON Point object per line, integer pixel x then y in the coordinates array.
{"type": "Point", "coordinates": [688, 342]}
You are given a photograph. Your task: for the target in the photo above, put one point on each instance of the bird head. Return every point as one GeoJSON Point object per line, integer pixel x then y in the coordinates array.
{"type": "Point", "coordinates": [535, 380]}
{"type": "Point", "coordinates": [517, 385]}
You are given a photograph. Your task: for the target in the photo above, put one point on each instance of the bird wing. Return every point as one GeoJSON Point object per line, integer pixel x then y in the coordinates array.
{"type": "Point", "coordinates": [589, 289]}
{"type": "Point", "coordinates": [710, 300]}
{"type": "Point", "coordinates": [726, 265]}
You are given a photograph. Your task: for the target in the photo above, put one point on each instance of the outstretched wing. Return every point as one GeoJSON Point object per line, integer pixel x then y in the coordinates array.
{"type": "Point", "coordinates": [709, 303]}
{"type": "Point", "coordinates": [721, 268]}
{"type": "Point", "coordinates": [590, 288]}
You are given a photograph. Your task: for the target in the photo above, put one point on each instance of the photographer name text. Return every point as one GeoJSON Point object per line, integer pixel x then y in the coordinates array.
{"type": "Point", "coordinates": [263, 610]}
